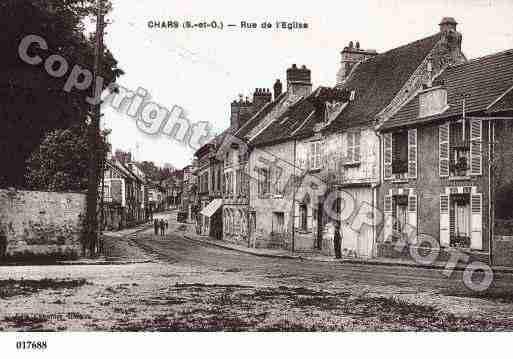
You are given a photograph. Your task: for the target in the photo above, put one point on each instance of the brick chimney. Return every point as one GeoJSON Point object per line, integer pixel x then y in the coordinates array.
{"type": "Point", "coordinates": [241, 111]}
{"type": "Point", "coordinates": [278, 88]}
{"type": "Point", "coordinates": [350, 56]}
{"type": "Point", "coordinates": [246, 111]}
{"type": "Point", "coordinates": [234, 115]}
{"type": "Point", "coordinates": [299, 80]}
{"type": "Point", "coordinates": [260, 98]}
{"type": "Point", "coordinates": [450, 34]}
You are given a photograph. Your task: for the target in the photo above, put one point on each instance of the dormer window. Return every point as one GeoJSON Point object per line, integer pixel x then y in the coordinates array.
{"type": "Point", "coordinates": [432, 101]}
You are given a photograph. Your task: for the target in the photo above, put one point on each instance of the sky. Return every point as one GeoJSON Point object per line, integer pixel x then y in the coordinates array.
{"type": "Point", "coordinates": [202, 71]}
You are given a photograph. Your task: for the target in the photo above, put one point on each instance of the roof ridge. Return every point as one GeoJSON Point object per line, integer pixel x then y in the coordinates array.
{"type": "Point", "coordinates": [481, 58]}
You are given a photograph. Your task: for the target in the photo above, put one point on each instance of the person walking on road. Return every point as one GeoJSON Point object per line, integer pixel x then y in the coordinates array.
{"type": "Point", "coordinates": [162, 227]}
{"type": "Point", "coordinates": [156, 226]}
{"type": "Point", "coordinates": [337, 240]}
{"type": "Point", "coordinates": [167, 224]}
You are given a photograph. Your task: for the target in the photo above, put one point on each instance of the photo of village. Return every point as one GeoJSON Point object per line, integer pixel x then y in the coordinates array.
{"type": "Point", "coordinates": [380, 202]}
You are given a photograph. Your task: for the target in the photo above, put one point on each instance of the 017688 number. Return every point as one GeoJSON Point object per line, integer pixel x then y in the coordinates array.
{"type": "Point", "coordinates": [30, 345]}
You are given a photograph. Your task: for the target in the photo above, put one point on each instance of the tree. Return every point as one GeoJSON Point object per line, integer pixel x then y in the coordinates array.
{"type": "Point", "coordinates": [34, 103]}
{"type": "Point", "coordinates": [60, 163]}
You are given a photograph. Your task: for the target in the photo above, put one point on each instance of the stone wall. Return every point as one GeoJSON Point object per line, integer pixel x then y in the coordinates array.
{"type": "Point", "coordinates": [41, 224]}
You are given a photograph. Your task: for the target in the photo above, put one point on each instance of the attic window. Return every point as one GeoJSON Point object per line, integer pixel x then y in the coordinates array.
{"type": "Point", "coordinates": [433, 101]}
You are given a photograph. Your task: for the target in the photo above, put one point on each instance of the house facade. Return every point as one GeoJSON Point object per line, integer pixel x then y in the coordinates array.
{"type": "Point", "coordinates": [439, 149]}
{"type": "Point", "coordinates": [124, 196]}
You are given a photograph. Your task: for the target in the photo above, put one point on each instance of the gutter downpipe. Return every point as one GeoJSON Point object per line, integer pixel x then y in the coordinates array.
{"type": "Point", "coordinates": [294, 201]}
{"type": "Point", "coordinates": [491, 200]}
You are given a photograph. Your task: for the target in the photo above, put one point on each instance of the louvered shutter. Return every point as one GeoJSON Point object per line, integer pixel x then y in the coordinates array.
{"type": "Point", "coordinates": [350, 144]}
{"type": "Point", "coordinates": [445, 239]}
{"type": "Point", "coordinates": [476, 162]}
{"type": "Point", "coordinates": [412, 153]}
{"type": "Point", "coordinates": [412, 209]}
{"type": "Point", "coordinates": [388, 218]}
{"type": "Point", "coordinates": [476, 222]}
{"type": "Point", "coordinates": [356, 151]}
{"type": "Point", "coordinates": [387, 156]}
{"type": "Point", "coordinates": [443, 150]}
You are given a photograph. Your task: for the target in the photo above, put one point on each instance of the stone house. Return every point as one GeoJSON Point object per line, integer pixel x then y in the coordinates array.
{"type": "Point", "coordinates": [438, 157]}
{"type": "Point", "coordinates": [330, 138]}
{"type": "Point", "coordinates": [188, 199]}
{"type": "Point", "coordinates": [124, 196]}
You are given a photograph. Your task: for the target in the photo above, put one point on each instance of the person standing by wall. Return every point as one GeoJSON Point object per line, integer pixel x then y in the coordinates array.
{"type": "Point", "coordinates": [337, 240]}
{"type": "Point", "coordinates": [156, 226]}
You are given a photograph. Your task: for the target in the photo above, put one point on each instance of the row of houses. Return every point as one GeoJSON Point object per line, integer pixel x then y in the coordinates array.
{"type": "Point", "coordinates": [130, 197]}
{"type": "Point", "coordinates": [409, 143]}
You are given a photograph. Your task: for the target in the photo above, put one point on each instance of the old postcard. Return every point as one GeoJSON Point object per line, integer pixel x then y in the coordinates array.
{"type": "Point", "coordinates": [255, 166]}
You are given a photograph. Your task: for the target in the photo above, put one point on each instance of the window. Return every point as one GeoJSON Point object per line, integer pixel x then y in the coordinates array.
{"type": "Point", "coordinates": [238, 182]}
{"type": "Point", "coordinates": [106, 191]}
{"type": "Point", "coordinates": [400, 212]}
{"type": "Point", "coordinates": [459, 164]}
{"type": "Point", "coordinates": [400, 152]}
{"type": "Point", "coordinates": [459, 220]}
{"type": "Point", "coordinates": [278, 222]}
{"type": "Point", "coordinates": [264, 181]}
{"type": "Point", "coordinates": [229, 183]}
{"type": "Point", "coordinates": [315, 155]}
{"type": "Point", "coordinates": [460, 148]}
{"type": "Point", "coordinates": [353, 147]}
{"type": "Point", "coordinates": [400, 155]}
{"type": "Point", "coordinates": [303, 217]}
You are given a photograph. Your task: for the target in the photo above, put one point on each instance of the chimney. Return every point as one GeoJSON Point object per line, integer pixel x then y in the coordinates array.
{"type": "Point", "coordinates": [234, 116]}
{"type": "Point", "coordinates": [450, 34]}
{"type": "Point", "coordinates": [260, 98]}
{"type": "Point", "coordinates": [447, 24]}
{"type": "Point", "coordinates": [245, 112]}
{"type": "Point", "coordinates": [299, 80]}
{"type": "Point", "coordinates": [278, 88]}
{"type": "Point", "coordinates": [350, 56]}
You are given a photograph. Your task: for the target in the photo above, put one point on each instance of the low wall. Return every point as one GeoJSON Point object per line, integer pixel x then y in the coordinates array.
{"type": "Point", "coordinates": [503, 251]}
{"type": "Point", "coordinates": [41, 224]}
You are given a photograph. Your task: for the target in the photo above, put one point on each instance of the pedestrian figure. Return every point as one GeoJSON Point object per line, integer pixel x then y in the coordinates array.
{"type": "Point", "coordinates": [167, 224]}
{"type": "Point", "coordinates": [337, 240]}
{"type": "Point", "coordinates": [156, 225]}
{"type": "Point", "coordinates": [162, 227]}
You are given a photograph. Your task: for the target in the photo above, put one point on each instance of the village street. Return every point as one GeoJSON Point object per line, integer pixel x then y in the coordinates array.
{"type": "Point", "coordinates": [193, 286]}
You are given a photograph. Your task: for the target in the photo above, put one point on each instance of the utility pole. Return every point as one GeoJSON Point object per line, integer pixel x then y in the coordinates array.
{"type": "Point", "coordinates": [94, 137]}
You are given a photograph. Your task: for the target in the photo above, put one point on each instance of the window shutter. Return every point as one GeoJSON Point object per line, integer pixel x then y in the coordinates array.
{"type": "Point", "coordinates": [356, 150]}
{"type": "Point", "coordinates": [389, 219]}
{"type": "Point", "coordinates": [476, 162]}
{"type": "Point", "coordinates": [445, 240]}
{"type": "Point", "coordinates": [412, 153]}
{"type": "Point", "coordinates": [476, 222]}
{"type": "Point", "coordinates": [350, 144]}
{"type": "Point", "coordinates": [387, 156]}
{"type": "Point", "coordinates": [412, 209]}
{"type": "Point", "coordinates": [443, 150]}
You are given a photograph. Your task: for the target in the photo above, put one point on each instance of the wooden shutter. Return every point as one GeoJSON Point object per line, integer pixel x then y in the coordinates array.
{"type": "Point", "coordinates": [445, 239]}
{"type": "Point", "coordinates": [412, 153]}
{"type": "Point", "coordinates": [476, 221]}
{"type": "Point", "coordinates": [443, 150]}
{"type": "Point", "coordinates": [412, 209]}
{"type": "Point", "coordinates": [356, 144]}
{"type": "Point", "coordinates": [350, 145]}
{"type": "Point", "coordinates": [387, 155]}
{"type": "Point", "coordinates": [388, 218]}
{"type": "Point", "coordinates": [476, 162]}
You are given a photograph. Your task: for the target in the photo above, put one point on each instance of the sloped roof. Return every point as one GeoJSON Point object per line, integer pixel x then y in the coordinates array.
{"type": "Point", "coordinates": [378, 80]}
{"type": "Point", "coordinates": [297, 121]}
{"type": "Point", "coordinates": [482, 81]}
{"type": "Point", "coordinates": [505, 103]}
{"type": "Point", "coordinates": [254, 121]}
